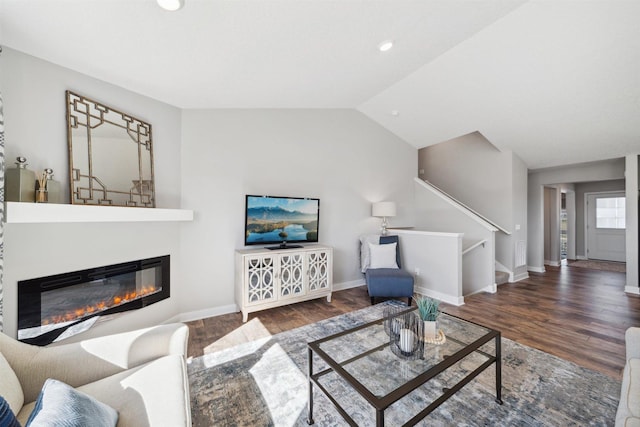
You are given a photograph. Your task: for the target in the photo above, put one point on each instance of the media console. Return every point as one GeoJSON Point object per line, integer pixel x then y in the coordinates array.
{"type": "Point", "coordinates": [267, 278]}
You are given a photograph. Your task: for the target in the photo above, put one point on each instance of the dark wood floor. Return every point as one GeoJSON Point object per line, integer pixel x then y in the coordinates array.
{"type": "Point", "coordinates": [215, 333]}
{"type": "Point", "coordinates": [574, 313]}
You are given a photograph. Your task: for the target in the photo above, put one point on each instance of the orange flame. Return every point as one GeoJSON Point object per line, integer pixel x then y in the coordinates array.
{"type": "Point", "coordinates": [80, 312]}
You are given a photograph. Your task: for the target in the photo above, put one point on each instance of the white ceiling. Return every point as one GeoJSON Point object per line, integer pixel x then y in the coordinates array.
{"type": "Point", "coordinates": [555, 81]}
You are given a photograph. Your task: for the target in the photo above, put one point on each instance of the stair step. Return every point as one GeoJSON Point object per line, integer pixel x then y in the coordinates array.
{"type": "Point", "coordinates": [502, 277]}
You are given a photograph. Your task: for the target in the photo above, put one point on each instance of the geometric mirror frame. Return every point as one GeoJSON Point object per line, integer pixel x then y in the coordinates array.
{"type": "Point", "coordinates": [110, 155]}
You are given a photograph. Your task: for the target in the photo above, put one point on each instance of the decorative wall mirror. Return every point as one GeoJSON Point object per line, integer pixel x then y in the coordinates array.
{"type": "Point", "coordinates": [110, 155]}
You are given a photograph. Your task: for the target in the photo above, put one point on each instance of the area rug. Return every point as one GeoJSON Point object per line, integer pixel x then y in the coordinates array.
{"type": "Point", "coordinates": [263, 383]}
{"type": "Point", "coordinates": [619, 267]}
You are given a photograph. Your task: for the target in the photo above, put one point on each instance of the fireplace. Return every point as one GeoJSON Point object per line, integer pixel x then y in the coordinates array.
{"type": "Point", "coordinates": [49, 308]}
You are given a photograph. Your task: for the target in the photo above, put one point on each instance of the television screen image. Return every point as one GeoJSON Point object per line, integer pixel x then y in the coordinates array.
{"type": "Point", "coordinates": [281, 219]}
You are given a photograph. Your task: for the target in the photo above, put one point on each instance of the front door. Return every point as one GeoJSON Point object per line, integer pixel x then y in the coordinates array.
{"type": "Point", "coordinates": [606, 227]}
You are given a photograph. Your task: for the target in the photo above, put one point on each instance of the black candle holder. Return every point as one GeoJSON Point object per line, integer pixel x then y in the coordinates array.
{"type": "Point", "coordinates": [404, 333]}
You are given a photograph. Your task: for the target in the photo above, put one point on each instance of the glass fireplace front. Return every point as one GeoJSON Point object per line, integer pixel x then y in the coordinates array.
{"type": "Point", "coordinates": [48, 306]}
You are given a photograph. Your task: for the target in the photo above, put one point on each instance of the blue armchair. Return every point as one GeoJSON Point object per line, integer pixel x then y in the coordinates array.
{"type": "Point", "coordinates": [389, 281]}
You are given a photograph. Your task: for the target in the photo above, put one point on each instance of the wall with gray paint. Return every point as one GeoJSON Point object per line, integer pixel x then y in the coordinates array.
{"type": "Point", "coordinates": [473, 171]}
{"type": "Point", "coordinates": [35, 119]}
{"type": "Point", "coordinates": [339, 156]}
{"type": "Point", "coordinates": [552, 226]}
{"type": "Point", "coordinates": [519, 174]}
{"type": "Point", "coordinates": [584, 172]}
{"type": "Point", "coordinates": [491, 182]}
{"type": "Point", "coordinates": [35, 127]}
{"type": "Point", "coordinates": [434, 214]}
{"type": "Point", "coordinates": [569, 193]}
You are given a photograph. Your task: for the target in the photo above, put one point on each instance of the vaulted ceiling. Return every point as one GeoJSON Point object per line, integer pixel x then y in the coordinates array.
{"type": "Point", "coordinates": [557, 82]}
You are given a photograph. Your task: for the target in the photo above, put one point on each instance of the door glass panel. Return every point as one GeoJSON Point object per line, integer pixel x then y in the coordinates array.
{"type": "Point", "coordinates": [610, 212]}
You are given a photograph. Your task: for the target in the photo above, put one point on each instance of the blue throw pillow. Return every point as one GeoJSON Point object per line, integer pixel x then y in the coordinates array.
{"type": "Point", "coordinates": [60, 405]}
{"type": "Point", "coordinates": [7, 418]}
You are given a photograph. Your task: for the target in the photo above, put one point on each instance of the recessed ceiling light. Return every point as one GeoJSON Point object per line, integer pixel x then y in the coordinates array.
{"type": "Point", "coordinates": [385, 45]}
{"type": "Point", "coordinates": [395, 113]}
{"type": "Point", "coordinates": [170, 5]}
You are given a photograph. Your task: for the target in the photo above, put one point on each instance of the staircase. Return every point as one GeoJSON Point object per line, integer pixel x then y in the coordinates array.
{"type": "Point", "coordinates": [501, 277]}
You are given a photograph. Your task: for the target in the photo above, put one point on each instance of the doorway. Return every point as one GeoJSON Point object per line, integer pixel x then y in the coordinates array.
{"type": "Point", "coordinates": [606, 226]}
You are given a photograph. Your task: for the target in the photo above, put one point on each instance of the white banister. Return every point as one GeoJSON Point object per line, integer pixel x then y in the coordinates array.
{"type": "Point", "coordinates": [475, 245]}
{"type": "Point", "coordinates": [487, 223]}
{"type": "Point", "coordinates": [437, 212]}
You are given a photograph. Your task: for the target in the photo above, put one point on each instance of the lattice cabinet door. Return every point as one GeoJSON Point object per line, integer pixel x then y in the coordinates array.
{"type": "Point", "coordinates": [270, 278]}
{"type": "Point", "coordinates": [319, 270]}
{"type": "Point", "coordinates": [291, 275]}
{"type": "Point", "coordinates": [260, 279]}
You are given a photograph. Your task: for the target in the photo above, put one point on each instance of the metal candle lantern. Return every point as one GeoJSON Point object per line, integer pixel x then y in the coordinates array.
{"type": "Point", "coordinates": [404, 335]}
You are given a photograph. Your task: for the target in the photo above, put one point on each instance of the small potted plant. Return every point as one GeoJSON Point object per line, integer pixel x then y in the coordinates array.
{"type": "Point", "coordinates": [428, 312]}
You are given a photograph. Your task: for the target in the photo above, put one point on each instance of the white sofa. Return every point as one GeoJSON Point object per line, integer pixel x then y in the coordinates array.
{"type": "Point", "coordinates": [628, 414]}
{"type": "Point", "coordinates": [141, 374]}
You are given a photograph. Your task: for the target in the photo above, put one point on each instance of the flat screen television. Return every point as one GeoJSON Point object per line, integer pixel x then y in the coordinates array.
{"type": "Point", "coordinates": [282, 220]}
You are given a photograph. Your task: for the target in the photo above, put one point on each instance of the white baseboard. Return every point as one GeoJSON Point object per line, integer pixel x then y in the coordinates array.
{"type": "Point", "coordinates": [521, 276]}
{"type": "Point", "coordinates": [581, 257]}
{"type": "Point", "coordinates": [348, 285]}
{"type": "Point", "coordinates": [552, 263]}
{"type": "Point", "coordinates": [536, 269]}
{"type": "Point", "coordinates": [232, 308]}
{"type": "Point", "coordinates": [449, 299]}
{"type": "Point", "coordinates": [491, 289]}
{"type": "Point", "coordinates": [201, 314]}
{"type": "Point", "coordinates": [632, 290]}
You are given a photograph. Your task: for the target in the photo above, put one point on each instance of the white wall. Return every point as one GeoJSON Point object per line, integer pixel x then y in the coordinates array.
{"type": "Point", "coordinates": [33, 91]}
{"type": "Point", "coordinates": [35, 127]}
{"type": "Point", "coordinates": [438, 257]}
{"type": "Point", "coordinates": [38, 250]}
{"type": "Point", "coordinates": [339, 156]}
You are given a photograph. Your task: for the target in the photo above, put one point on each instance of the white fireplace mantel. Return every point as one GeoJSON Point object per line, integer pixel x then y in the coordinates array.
{"type": "Point", "coordinates": [32, 213]}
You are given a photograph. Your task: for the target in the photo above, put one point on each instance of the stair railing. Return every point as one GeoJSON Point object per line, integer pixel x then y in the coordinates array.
{"type": "Point", "coordinates": [475, 245]}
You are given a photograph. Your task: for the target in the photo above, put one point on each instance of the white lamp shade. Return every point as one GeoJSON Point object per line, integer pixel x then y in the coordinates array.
{"type": "Point", "coordinates": [170, 5]}
{"type": "Point", "coordinates": [383, 209]}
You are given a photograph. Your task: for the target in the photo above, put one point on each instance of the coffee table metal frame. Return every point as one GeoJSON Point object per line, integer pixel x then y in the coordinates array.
{"type": "Point", "coordinates": [383, 402]}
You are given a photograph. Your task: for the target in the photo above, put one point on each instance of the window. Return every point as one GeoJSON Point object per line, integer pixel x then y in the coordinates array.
{"type": "Point", "coordinates": [610, 212]}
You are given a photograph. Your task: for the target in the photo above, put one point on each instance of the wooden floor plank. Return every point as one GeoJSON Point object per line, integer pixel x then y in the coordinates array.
{"type": "Point", "coordinates": [574, 313]}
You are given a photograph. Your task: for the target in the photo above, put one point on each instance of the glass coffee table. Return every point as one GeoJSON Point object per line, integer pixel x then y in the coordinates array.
{"type": "Point", "coordinates": [359, 364]}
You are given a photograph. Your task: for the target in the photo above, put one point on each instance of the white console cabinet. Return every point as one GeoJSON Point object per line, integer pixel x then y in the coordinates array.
{"type": "Point", "coordinates": [271, 278]}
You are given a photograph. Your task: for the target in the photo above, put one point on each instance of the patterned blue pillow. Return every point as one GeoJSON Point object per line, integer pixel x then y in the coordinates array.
{"type": "Point", "coordinates": [7, 418]}
{"type": "Point", "coordinates": [60, 405]}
